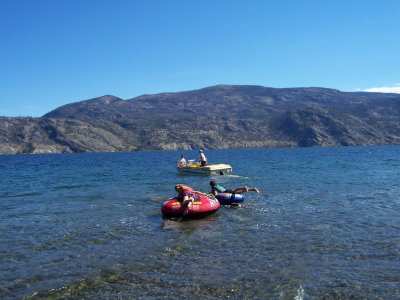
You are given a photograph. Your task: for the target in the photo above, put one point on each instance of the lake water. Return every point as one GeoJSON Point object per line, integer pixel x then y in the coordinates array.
{"type": "Point", "coordinates": [325, 225]}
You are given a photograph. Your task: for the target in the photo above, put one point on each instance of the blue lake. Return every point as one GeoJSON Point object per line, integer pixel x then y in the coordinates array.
{"type": "Point", "coordinates": [88, 226]}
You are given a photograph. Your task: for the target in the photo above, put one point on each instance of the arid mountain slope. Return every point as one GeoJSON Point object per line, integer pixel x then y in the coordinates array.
{"type": "Point", "coordinates": [217, 117]}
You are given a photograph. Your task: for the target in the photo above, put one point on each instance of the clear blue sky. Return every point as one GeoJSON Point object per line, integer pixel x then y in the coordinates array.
{"type": "Point", "coordinates": [55, 52]}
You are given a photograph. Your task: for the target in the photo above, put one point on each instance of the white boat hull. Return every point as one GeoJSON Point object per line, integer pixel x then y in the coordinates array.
{"type": "Point", "coordinates": [209, 170]}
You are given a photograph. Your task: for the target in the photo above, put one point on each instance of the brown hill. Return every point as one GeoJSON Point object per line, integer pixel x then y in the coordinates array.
{"type": "Point", "coordinates": [215, 117]}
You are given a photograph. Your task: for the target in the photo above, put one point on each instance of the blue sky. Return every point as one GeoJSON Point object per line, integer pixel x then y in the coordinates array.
{"type": "Point", "coordinates": [55, 52]}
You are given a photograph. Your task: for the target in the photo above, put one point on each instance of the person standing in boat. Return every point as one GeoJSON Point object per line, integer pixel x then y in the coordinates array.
{"type": "Point", "coordinates": [181, 162]}
{"type": "Point", "coordinates": [203, 159]}
{"type": "Point", "coordinates": [215, 189]}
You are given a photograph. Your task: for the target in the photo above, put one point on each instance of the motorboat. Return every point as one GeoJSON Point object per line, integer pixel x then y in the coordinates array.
{"type": "Point", "coordinates": [210, 170]}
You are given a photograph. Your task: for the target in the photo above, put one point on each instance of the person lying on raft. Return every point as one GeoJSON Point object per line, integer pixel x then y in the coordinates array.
{"type": "Point", "coordinates": [185, 196]}
{"type": "Point", "coordinates": [215, 189]}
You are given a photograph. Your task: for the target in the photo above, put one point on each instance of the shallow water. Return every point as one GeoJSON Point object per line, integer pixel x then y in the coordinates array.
{"type": "Point", "coordinates": [326, 225]}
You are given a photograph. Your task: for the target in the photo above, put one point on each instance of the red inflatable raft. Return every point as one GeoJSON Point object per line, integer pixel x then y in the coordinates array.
{"type": "Point", "coordinates": [202, 206]}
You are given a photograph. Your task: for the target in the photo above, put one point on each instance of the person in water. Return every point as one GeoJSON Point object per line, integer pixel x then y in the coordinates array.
{"type": "Point", "coordinates": [181, 162]}
{"type": "Point", "coordinates": [203, 159]}
{"type": "Point", "coordinates": [215, 189]}
{"type": "Point", "coordinates": [185, 196]}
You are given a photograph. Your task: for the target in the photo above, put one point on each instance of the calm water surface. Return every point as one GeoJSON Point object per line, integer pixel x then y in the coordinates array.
{"type": "Point", "coordinates": [326, 225]}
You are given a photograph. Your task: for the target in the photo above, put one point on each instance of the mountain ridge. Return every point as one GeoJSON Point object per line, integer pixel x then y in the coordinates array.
{"type": "Point", "coordinates": [215, 117]}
